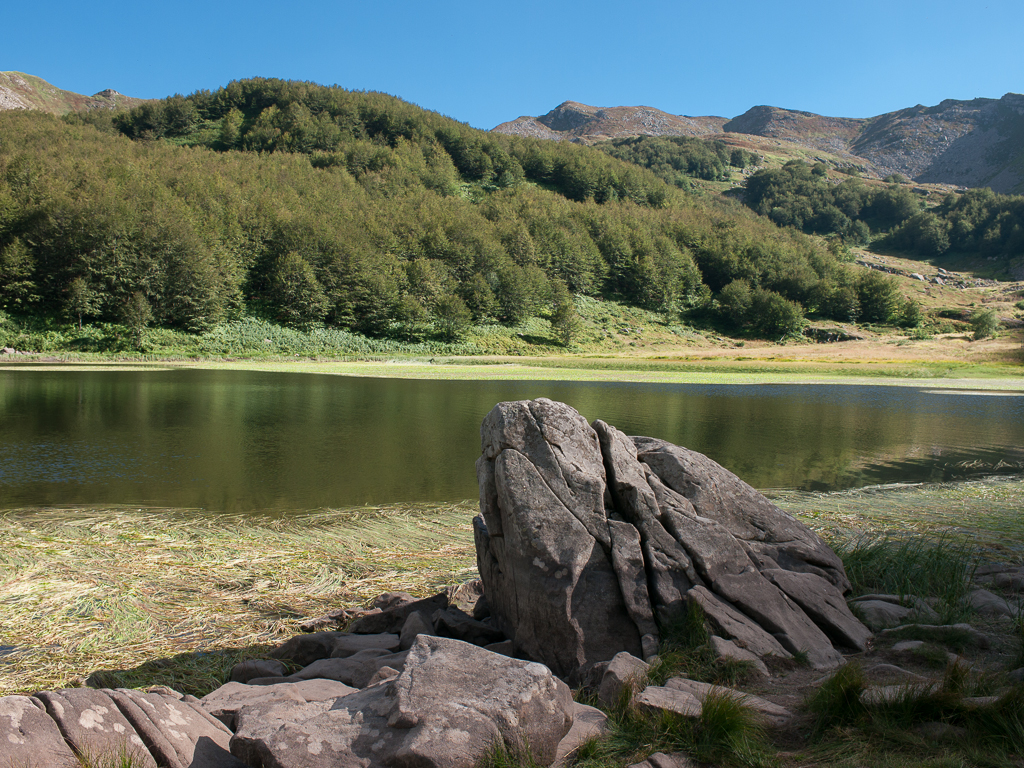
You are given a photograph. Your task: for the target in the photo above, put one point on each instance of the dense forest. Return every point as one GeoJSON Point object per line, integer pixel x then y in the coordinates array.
{"type": "Point", "coordinates": [677, 159]}
{"type": "Point", "coordinates": [976, 222]}
{"type": "Point", "coordinates": [309, 205]}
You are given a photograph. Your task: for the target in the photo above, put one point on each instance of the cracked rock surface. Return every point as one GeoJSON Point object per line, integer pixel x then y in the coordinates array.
{"type": "Point", "coordinates": [588, 538]}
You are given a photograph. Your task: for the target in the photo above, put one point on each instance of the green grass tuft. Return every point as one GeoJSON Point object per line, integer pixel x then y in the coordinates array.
{"type": "Point", "coordinates": [836, 703]}
{"type": "Point", "coordinates": [912, 565]}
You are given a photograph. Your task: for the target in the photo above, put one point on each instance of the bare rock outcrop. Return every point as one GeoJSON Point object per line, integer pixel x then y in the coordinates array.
{"type": "Point", "coordinates": [449, 706]}
{"type": "Point", "coordinates": [588, 538]}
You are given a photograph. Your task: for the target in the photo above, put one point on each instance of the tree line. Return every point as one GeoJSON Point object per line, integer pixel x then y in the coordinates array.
{"type": "Point", "coordinates": [802, 196]}
{"type": "Point", "coordinates": [310, 205]}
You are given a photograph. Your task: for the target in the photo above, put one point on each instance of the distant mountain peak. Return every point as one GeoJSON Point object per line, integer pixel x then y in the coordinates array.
{"type": "Point", "coordinates": [583, 123]}
{"type": "Point", "coordinates": [972, 143]}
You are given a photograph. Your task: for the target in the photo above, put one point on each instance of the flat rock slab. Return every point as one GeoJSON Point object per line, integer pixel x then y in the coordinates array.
{"type": "Point", "coordinates": [225, 702]}
{"type": "Point", "coordinates": [729, 623]}
{"type": "Point", "coordinates": [758, 598]}
{"type": "Point", "coordinates": [656, 698]}
{"type": "Point", "coordinates": [771, 713]}
{"type": "Point", "coordinates": [825, 604]}
{"type": "Point", "coordinates": [662, 760]}
{"type": "Point", "coordinates": [939, 632]}
{"type": "Point", "coordinates": [93, 725]}
{"type": "Point", "coordinates": [29, 737]}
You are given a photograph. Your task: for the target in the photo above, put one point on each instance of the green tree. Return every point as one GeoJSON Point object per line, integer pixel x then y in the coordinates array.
{"type": "Point", "coordinates": [297, 293]}
{"type": "Point", "coordinates": [137, 314]}
{"type": "Point", "coordinates": [17, 288]}
{"type": "Point", "coordinates": [565, 320]}
{"type": "Point", "coordinates": [231, 129]}
{"type": "Point", "coordinates": [984, 323]}
{"type": "Point", "coordinates": [452, 317]}
{"type": "Point", "coordinates": [911, 315]}
{"type": "Point", "coordinates": [82, 300]}
{"type": "Point", "coordinates": [879, 297]}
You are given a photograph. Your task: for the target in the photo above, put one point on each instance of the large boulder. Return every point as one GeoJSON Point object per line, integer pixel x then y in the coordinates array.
{"type": "Point", "coordinates": [449, 706]}
{"type": "Point", "coordinates": [588, 540]}
{"type": "Point", "coordinates": [543, 543]}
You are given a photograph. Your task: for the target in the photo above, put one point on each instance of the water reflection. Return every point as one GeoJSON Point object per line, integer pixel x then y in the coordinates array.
{"type": "Point", "coordinates": [242, 441]}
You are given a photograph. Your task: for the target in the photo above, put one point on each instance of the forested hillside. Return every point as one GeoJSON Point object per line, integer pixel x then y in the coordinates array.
{"type": "Point", "coordinates": [977, 222]}
{"type": "Point", "coordinates": [306, 204]}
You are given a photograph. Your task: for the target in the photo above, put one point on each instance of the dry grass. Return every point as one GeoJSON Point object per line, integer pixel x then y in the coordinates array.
{"type": "Point", "coordinates": [176, 597]}
{"type": "Point", "coordinates": [88, 589]}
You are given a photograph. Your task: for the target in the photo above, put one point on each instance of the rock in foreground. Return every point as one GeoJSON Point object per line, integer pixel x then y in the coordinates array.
{"type": "Point", "coordinates": [586, 536]}
{"type": "Point", "coordinates": [449, 706]}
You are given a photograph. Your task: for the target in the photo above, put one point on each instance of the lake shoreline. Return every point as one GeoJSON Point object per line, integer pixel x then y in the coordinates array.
{"type": "Point", "coordinates": [987, 378]}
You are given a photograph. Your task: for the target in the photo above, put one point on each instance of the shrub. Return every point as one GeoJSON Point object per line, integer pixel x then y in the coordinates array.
{"type": "Point", "coordinates": [775, 315]}
{"type": "Point", "coordinates": [984, 323]}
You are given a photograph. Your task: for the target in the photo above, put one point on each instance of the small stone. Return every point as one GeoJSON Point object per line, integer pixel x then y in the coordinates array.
{"type": "Point", "coordinates": [587, 723]}
{"type": "Point", "coordinates": [907, 645]}
{"type": "Point", "coordinates": [418, 623]}
{"type": "Point", "coordinates": [505, 648]}
{"type": "Point", "coordinates": [727, 649]}
{"type": "Point", "coordinates": [890, 673]}
{"type": "Point", "coordinates": [985, 602]}
{"type": "Point", "coordinates": [245, 671]}
{"type": "Point", "coordinates": [661, 760]}
{"type": "Point", "coordinates": [623, 671]}
{"type": "Point", "coordinates": [383, 674]}
{"type": "Point", "coordinates": [880, 614]}
{"type": "Point", "coordinates": [941, 732]}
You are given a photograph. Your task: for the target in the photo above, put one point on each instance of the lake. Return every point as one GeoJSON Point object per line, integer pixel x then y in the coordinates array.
{"type": "Point", "coordinates": [250, 441]}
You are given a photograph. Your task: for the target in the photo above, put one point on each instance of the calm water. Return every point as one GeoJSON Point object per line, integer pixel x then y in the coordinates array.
{"type": "Point", "coordinates": [242, 441]}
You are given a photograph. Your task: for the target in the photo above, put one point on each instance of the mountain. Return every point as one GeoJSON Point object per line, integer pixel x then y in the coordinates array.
{"type": "Point", "coordinates": [21, 91]}
{"type": "Point", "coordinates": [976, 143]}
{"type": "Point", "coordinates": [585, 124]}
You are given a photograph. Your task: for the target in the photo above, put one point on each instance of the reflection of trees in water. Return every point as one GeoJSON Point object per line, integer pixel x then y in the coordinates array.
{"type": "Point", "coordinates": [944, 465]}
{"type": "Point", "coordinates": [241, 441]}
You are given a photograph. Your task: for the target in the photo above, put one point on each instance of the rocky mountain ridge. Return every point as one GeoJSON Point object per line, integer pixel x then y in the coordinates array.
{"type": "Point", "coordinates": [975, 143]}
{"type": "Point", "coordinates": [21, 91]}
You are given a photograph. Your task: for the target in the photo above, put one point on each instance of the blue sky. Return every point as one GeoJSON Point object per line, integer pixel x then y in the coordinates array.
{"type": "Point", "coordinates": [486, 63]}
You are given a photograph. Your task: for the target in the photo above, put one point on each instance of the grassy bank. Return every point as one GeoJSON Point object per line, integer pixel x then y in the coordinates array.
{"type": "Point", "coordinates": [115, 589]}
{"type": "Point", "coordinates": [983, 378]}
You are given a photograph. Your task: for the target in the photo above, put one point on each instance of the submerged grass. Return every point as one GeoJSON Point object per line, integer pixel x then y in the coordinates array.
{"type": "Point", "coordinates": [982, 516]}
{"type": "Point", "coordinates": [176, 597]}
